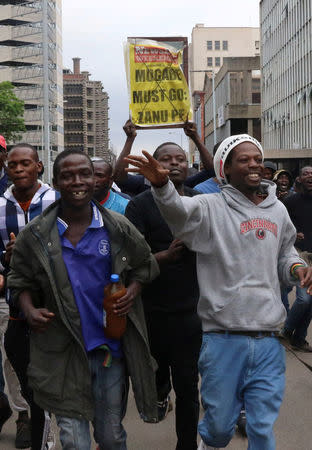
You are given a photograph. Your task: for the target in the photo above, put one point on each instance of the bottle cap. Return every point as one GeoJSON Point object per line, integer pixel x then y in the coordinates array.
{"type": "Point", "coordinates": [114, 278]}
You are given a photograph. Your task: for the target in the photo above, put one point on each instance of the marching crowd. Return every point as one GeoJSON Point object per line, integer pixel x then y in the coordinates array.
{"type": "Point", "coordinates": [208, 261]}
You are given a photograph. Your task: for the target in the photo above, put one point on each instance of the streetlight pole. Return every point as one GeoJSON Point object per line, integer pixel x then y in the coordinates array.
{"type": "Point", "coordinates": [46, 109]}
{"type": "Point", "coordinates": [214, 109]}
{"type": "Point", "coordinates": [213, 102]}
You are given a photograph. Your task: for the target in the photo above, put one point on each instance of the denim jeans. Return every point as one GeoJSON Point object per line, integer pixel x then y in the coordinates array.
{"type": "Point", "coordinates": [300, 315]}
{"type": "Point", "coordinates": [109, 391]}
{"type": "Point", "coordinates": [239, 370]}
{"type": "Point", "coordinates": [285, 290]}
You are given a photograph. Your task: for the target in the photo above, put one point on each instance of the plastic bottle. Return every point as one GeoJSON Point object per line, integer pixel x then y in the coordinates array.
{"type": "Point", "coordinates": [114, 325]}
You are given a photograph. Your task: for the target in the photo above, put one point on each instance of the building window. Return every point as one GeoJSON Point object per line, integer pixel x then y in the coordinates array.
{"type": "Point", "coordinates": [90, 151]}
{"type": "Point", "coordinates": [89, 104]}
{"type": "Point", "coordinates": [217, 61]}
{"type": "Point", "coordinates": [257, 45]}
{"type": "Point", "coordinates": [209, 62]}
{"type": "Point", "coordinates": [224, 45]}
{"type": "Point", "coordinates": [256, 97]}
{"type": "Point", "coordinates": [209, 45]}
{"type": "Point", "coordinates": [217, 45]}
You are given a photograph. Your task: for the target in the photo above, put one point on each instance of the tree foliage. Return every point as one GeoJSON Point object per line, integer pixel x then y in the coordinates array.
{"type": "Point", "coordinates": [11, 113]}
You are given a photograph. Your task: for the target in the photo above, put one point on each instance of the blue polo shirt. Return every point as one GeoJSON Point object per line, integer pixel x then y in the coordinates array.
{"type": "Point", "coordinates": [89, 270]}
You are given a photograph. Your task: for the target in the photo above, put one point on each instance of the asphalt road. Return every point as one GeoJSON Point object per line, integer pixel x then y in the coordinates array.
{"type": "Point", "coordinates": [293, 428]}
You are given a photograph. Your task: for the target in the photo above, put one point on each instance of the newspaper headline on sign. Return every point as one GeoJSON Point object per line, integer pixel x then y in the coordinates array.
{"type": "Point", "coordinates": [158, 91]}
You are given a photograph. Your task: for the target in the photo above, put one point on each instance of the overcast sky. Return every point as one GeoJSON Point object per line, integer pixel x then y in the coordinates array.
{"type": "Point", "coordinates": [95, 32]}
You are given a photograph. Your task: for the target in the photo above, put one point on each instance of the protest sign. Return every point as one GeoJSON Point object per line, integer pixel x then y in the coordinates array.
{"type": "Point", "coordinates": [158, 91]}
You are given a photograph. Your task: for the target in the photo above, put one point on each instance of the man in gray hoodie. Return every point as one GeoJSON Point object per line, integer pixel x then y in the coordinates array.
{"type": "Point", "coordinates": [244, 243]}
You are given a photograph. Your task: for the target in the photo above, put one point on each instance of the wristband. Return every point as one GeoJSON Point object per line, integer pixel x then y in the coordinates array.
{"type": "Point", "coordinates": [293, 269]}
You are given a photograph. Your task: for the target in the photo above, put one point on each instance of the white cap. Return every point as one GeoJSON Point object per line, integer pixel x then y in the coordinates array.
{"type": "Point", "coordinates": [224, 150]}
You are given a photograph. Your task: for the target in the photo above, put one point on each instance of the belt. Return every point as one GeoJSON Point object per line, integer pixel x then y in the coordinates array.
{"type": "Point", "coordinates": [254, 334]}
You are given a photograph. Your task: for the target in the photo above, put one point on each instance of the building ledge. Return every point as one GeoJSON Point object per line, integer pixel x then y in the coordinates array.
{"type": "Point", "coordinates": [287, 153]}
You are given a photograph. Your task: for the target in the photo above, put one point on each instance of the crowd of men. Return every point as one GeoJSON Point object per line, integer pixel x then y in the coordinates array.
{"type": "Point", "coordinates": [180, 245]}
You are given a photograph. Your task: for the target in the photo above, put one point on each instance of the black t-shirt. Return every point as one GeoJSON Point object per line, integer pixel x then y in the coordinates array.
{"type": "Point", "coordinates": [176, 288]}
{"type": "Point", "coordinates": [299, 207]}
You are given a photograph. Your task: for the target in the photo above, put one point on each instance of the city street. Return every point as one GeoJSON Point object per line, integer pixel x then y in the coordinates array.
{"type": "Point", "coordinates": [293, 428]}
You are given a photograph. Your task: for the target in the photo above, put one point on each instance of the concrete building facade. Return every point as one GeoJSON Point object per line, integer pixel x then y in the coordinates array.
{"type": "Point", "coordinates": [210, 45]}
{"type": "Point", "coordinates": [237, 100]}
{"type": "Point", "coordinates": [286, 63]}
{"type": "Point", "coordinates": [85, 113]}
{"type": "Point", "coordinates": [31, 58]}
{"type": "Point", "coordinates": [207, 50]}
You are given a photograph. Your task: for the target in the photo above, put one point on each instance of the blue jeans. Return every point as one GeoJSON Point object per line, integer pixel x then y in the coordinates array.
{"type": "Point", "coordinates": [300, 316]}
{"type": "Point", "coordinates": [285, 290]}
{"type": "Point", "coordinates": [239, 370]}
{"type": "Point", "coordinates": [110, 397]}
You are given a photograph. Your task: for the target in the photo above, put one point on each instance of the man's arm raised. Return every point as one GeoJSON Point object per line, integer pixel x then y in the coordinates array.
{"type": "Point", "coordinates": [190, 129]}
{"type": "Point", "coordinates": [120, 175]}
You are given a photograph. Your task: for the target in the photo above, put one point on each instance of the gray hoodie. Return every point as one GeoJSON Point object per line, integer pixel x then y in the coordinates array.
{"type": "Point", "coordinates": [243, 250]}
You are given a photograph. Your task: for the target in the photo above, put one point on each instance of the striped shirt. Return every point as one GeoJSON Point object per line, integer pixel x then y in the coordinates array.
{"type": "Point", "coordinates": [12, 217]}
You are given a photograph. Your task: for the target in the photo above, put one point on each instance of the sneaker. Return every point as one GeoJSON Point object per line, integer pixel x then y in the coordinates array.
{"type": "Point", "coordinates": [51, 441]}
{"type": "Point", "coordinates": [5, 410]}
{"type": "Point", "coordinates": [203, 446]}
{"type": "Point", "coordinates": [22, 438]}
{"type": "Point", "coordinates": [241, 423]}
{"type": "Point", "coordinates": [304, 347]}
{"type": "Point", "coordinates": [163, 408]}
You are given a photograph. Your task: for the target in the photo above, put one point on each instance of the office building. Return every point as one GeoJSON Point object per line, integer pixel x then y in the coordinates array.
{"type": "Point", "coordinates": [233, 106]}
{"type": "Point", "coordinates": [31, 58]}
{"type": "Point", "coordinates": [286, 62]}
{"type": "Point", "coordinates": [85, 113]}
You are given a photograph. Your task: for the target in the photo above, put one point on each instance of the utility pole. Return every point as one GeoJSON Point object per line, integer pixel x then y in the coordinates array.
{"type": "Point", "coordinates": [213, 103]}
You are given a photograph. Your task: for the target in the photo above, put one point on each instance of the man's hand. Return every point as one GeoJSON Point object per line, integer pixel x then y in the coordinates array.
{"type": "Point", "coordinates": [190, 129]}
{"type": "Point", "coordinates": [124, 304]}
{"type": "Point", "coordinates": [305, 276]}
{"type": "Point", "coordinates": [149, 167]}
{"type": "Point", "coordinates": [300, 236]}
{"type": "Point", "coordinates": [9, 248]}
{"type": "Point", "coordinates": [129, 129]}
{"type": "Point", "coordinates": [173, 254]}
{"type": "Point", "coordinates": [38, 318]}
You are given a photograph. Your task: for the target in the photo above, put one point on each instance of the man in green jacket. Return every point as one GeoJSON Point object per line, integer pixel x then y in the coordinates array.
{"type": "Point", "coordinates": [60, 265]}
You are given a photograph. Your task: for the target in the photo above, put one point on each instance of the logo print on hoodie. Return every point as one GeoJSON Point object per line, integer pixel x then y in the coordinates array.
{"type": "Point", "coordinates": [260, 234]}
{"type": "Point", "coordinates": [260, 225]}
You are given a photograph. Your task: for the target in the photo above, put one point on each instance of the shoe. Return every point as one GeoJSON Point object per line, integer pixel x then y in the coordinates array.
{"type": "Point", "coordinates": [241, 423]}
{"type": "Point", "coordinates": [304, 347]}
{"type": "Point", "coordinates": [23, 438]}
{"type": "Point", "coordinates": [163, 408]}
{"type": "Point", "coordinates": [203, 446]}
{"type": "Point", "coordinates": [285, 334]}
{"type": "Point", "coordinates": [5, 410]}
{"type": "Point", "coordinates": [51, 442]}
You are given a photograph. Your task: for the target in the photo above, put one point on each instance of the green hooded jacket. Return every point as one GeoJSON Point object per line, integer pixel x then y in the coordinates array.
{"type": "Point", "coordinates": [58, 371]}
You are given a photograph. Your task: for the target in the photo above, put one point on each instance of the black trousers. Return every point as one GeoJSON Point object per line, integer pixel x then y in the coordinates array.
{"type": "Point", "coordinates": [175, 340]}
{"type": "Point", "coordinates": [16, 344]}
